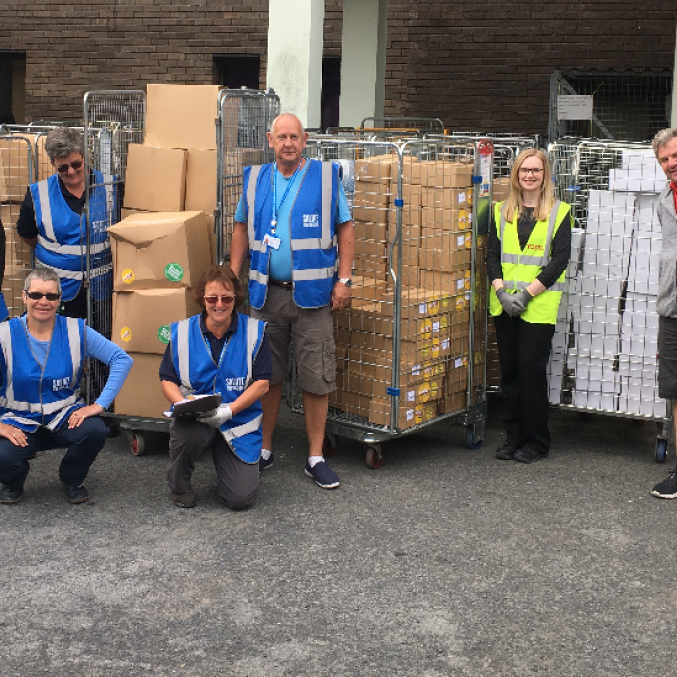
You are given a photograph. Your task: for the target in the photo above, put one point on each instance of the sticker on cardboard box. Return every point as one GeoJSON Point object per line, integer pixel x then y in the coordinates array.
{"type": "Point", "coordinates": [410, 414]}
{"type": "Point", "coordinates": [418, 414]}
{"type": "Point", "coordinates": [434, 388]}
{"type": "Point", "coordinates": [128, 276]}
{"type": "Point", "coordinates": [164, 334]}
{"type": "Point", "coordinates": [424, 392]}
{"type": "Point", "coordinates": [435, 349]}
{"type": "Point", "coordinates": [422, 309]}
{"type": "Point", "coordinates": [411, 396]}
{"type": "Point", "coordinates": [436, 327]}
{"type": "Point", "coordinates": [426, 328]}
{"type": "Point", "coordinates": [125, 334]}
{"type": "Point", "coordinates": [174, 272]}
{"type": "Point", "coordinates": [434, 305]}
{"type": "Point", "coordinates": [416, 370]}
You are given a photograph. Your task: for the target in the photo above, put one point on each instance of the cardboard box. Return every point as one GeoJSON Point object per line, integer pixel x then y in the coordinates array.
{"type": "Point", "coordinates": [450, 220]}
{"type": "Point", "coordinates": [446, 174]}
{"type": "Point", "coordinates": [368, 288]}
{"type": "Point", "coordinates": [164, 249]}
{"type": "Point", "coordinates": [407, 416]}
{"type": "Point", "coordinates": [370, 193]}
{"type": "Point", "coordinates": [371, 231]}
{"type": "Point", "coordinates": [141, 394]}
{"type": "Point", "coordinates": [156, 178]}
{"type": "Point", "coordinates": [201, 187]}
{"type": "Point", "coordinates": [373, 213]}
{"type": "Point", "coordinates": [14, 163]}
{"type": "Point", "coordinates": [445, 251]}
{"type": "Point", "coordinates": [141, 318]}
{"type": "Point", "coordinates": [455, 198]}
{"type": "Point", "coordinates": [18, 254]}
{"type": "Point", "coordinates": [500, 190]}
{"type": "Point", "coordinates": [182, 116]}
{"type": "Point", "coordinates": [378, 168]}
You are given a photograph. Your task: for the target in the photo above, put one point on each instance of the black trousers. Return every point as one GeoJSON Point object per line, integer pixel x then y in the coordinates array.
{"type": "Point", "coordinates": [523, 353]}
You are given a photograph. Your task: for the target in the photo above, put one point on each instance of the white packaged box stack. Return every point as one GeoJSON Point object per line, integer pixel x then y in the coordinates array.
{"type": "Point", "coordinates": [638, 363]}
{"type": "Point", "coordinates": [639, 172]}
{"type": "Point", "coordinates": [646, 247]}
{"type": "Point", "coordinates": [560, 340]}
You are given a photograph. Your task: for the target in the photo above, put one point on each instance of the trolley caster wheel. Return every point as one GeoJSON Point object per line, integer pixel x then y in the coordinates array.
{"type": "Point", "coordinates": [330, 444]}
{"type": "Point", "coordinates": [661, 451]}
{"type": "Point", "coordinates": [374, 456]}
{"type": "Point", "coordinates": [470, 440]}
{"type": "Point", "coordinates": [113, 430]}
{"type": "Point", "coordinates": [138, 445]}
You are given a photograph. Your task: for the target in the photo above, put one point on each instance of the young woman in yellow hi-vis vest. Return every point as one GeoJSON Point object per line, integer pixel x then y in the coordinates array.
{"type": "Point", "coordinates": [527, 256]}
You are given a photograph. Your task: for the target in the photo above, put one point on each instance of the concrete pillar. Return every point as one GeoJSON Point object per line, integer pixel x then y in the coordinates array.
{"type": "Point", "coordinates": [363, 60]}
{"type": "Point", "coordinates": [295, 41]}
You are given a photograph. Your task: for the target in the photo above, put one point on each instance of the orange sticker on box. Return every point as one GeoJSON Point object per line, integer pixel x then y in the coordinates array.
{"type": "Point", "coordinates": [128, 276]}
{"type": "Point", "coordinates": [126, 334]}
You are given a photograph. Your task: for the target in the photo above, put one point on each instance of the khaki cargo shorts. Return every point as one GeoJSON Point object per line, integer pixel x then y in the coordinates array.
{"type": "Point", "coordinates": [310, 331]}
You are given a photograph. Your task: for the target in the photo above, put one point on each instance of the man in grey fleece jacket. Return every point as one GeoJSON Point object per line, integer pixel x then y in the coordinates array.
{"type": "Point", "coordinates": [665, 148]}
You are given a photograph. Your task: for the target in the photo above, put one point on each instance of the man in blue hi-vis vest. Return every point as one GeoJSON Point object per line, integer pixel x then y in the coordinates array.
{"type": "Point", "coordinates": [294, 224]}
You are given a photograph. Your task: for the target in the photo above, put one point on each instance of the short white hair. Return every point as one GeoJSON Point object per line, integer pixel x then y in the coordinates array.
{"type": "Point", "coordinates": [663, 138]}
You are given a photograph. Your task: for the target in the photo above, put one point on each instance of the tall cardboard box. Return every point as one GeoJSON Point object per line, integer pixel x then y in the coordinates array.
{"type": "Point", "coordinates": [14, 175]}
{"type": "Point", "coordinates": [182, 116]}
{"type": "Point", "coordinates": [141, 394]}
{"type": "Point", "coordinates": [156, 178]}
{"type": "Point", "coordinates": [141, 318]}
{"type": "Point", "coordinates": [201, 186]}
{"type": "Point", "coordinates": [160, 250]}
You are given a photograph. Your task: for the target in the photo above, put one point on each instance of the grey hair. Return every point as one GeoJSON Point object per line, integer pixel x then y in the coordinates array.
{"type": "Point", "coordinates": [44, 274]}
{"type": "Point", "coordinates": [663, 138]}
{"type": "Point", "coordinates": [272, 124]}
{"type": "Point", "coordinates": [64, 141]}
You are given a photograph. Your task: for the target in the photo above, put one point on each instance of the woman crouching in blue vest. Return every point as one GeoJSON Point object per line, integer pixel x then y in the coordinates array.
{"type": "Point", "coordinates": [41, 364]}
{"type": "Point", "coordinates": [219, 352]}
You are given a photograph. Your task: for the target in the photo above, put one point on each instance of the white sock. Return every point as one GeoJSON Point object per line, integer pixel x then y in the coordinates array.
{"type": "Point", "coordinates": [314, 460]}
{"type": "Point", "coordinates": [266, 454]}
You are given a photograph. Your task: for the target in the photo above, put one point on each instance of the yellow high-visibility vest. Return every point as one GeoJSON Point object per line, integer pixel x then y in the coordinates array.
{"type": "Point", "coordinates": [521, 267]}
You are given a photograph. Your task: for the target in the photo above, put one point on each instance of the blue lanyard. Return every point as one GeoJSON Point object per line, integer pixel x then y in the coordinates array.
{"type": "Point", "coordinates": [276, 208]}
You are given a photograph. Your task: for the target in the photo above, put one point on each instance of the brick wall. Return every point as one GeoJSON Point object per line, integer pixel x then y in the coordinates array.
{"type": "Point", "coordinates": [486, 64]}
{"type": "Point", "coordinates": [477, 64]}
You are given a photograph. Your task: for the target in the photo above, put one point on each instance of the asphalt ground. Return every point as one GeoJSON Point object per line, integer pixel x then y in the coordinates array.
{"type": "Point", "coordinates": [445, 561]}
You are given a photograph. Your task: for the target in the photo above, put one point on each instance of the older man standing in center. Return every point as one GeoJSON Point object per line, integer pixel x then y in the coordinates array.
{"type": "Point", "coordinates": [294, 224]}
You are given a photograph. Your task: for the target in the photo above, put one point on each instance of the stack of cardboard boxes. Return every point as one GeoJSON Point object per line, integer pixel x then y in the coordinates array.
{"type": "Point", "coordinates": [17, 152]}
{"type": "Point", "coordinates": [166, 240]}
{"type": "Point", "coordinates": [434, 309]}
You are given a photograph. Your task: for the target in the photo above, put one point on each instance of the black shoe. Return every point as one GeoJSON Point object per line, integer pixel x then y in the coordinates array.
{"type": "Point", "coordinates": [506, 452]}
{"type": "Point", "coordinates": [529, 455]}
{"type": "Point", "coordinates": [668, 487]}
{"type": "Point", "coordinates": [76, 494]}
{"type": "Point", "coordinates": [9, 495]}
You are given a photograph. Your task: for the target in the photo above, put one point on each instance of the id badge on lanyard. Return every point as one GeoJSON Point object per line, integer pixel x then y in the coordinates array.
{"type": "Point", "coordinates": [270, 239]}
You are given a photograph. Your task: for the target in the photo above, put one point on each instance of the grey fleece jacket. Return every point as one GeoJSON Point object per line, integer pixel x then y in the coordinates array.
{"type": "Point", "coordinates": [666, 304]}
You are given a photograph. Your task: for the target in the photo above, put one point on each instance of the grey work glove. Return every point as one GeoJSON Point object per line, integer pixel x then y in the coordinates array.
{"type": "Point", "coordinates": [216, 417]}
{"type": "Point", "coordinates": [520, 302]}
{"type": "Point", "coordinates": [506, 300]}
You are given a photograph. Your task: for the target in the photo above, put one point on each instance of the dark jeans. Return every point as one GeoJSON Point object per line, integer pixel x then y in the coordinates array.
{"type": "Point", "coordinates": [82, 446]}
{"type": "Point", "coordinates": [523, 352]}
{"type": "Point", "coordinates": [238, 482]}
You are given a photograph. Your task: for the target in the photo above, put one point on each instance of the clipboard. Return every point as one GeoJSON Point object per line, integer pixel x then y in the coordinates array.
{"type": "Point", "coordinates": [193, 406]}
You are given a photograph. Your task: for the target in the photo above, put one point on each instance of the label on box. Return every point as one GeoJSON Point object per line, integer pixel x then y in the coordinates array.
{"type": "Point", "coordinates": [418, 414]}
{"type": "Point", "coordinates": [164, 334]}
{"type": "Point", "coordinates": [128, 276]}
{"type": "Point", "coordinates": [426, 328]}
{"type": "Point", "coordinates": [126, 334]}
{"type": "Point", "coordinates": [422, 309]}
{"type": "Point", "coordinates": [174, 272]}
{"type": "Point", "coordinates": [410, 414]}
{"type": "Point", "coordinates": [424, 392]}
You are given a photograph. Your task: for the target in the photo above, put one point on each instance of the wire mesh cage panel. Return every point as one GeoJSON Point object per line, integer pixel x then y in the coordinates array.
{"type": "Point", "coordinates": [410, 349]}
{"type": "Point", "coordinates": [403, 124]}
{"type": "Point", "coordinates": [604, 354]}
{"type": "Point", "coordinates": [112, 121]}
{"type": "Point", "coordinates": [245, 115]}
{"type": "Point", "coordinates": [627, 106]}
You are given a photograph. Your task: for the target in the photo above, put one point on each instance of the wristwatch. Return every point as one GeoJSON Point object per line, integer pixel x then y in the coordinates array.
{"type": "Point", "coordinates": [346, 280]}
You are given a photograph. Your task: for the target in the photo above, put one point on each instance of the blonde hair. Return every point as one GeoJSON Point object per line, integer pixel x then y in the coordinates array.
{"type": "Point", "coordinates": [546, 199]}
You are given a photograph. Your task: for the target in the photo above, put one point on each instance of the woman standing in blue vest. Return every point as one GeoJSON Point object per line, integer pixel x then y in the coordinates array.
{"type": "Point", "coordinates": [220, 352]}
{"type": "Point", "coordinates": [527, 254]}
{"type": "Point", "coordinates": [52, 220]}
{"type": "Point", "coordinates": [42, 355]}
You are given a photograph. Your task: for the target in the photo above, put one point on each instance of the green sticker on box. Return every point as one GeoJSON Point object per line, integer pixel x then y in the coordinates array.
{"type": "Point", "coordinates": [164, 333]}
{"type": "Point", "coordinates": [174, 272]}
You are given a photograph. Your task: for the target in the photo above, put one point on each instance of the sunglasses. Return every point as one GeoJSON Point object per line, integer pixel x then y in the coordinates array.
{"type": "Point", "coordinates": [76, 164]}
{"type": "Point", "coordinates": [212, 300]}
{"type": "Point", "coordinates": [36, 296]}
